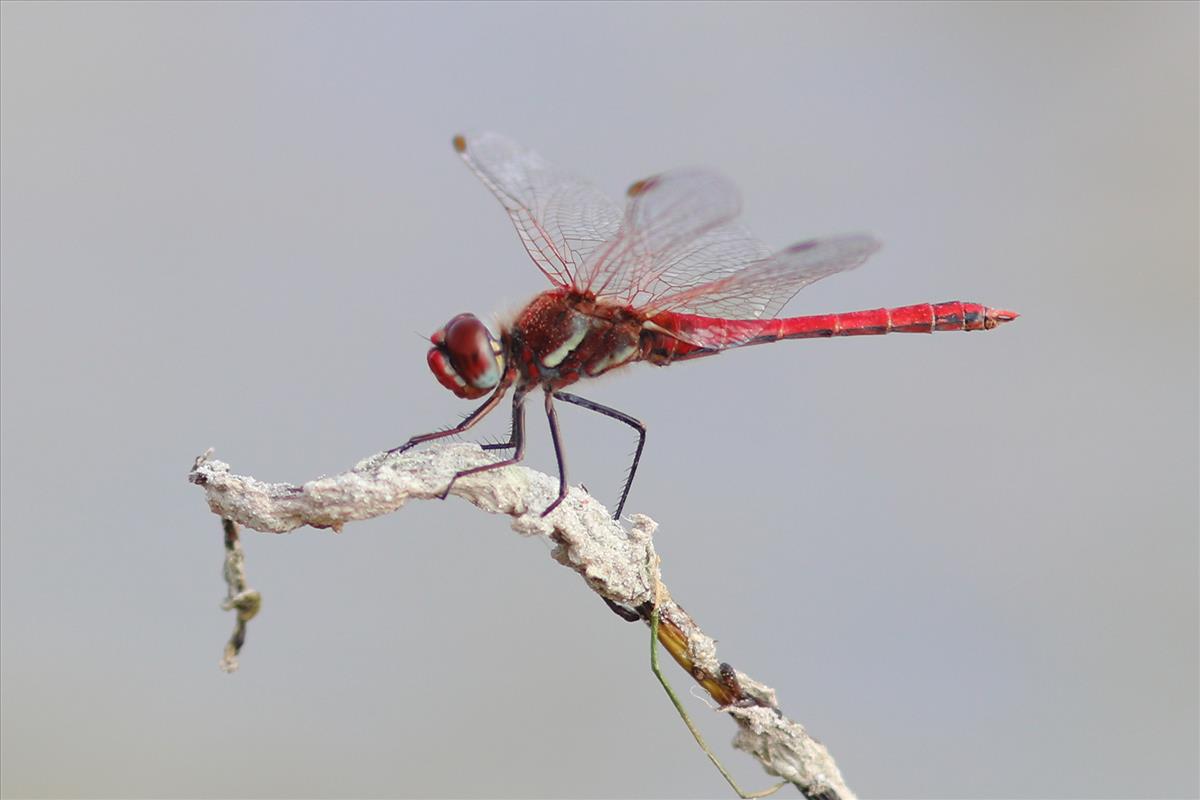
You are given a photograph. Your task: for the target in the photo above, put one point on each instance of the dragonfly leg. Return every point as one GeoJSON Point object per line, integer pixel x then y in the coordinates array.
{"type": "Point", "coordinates": [552, 416]}
{"type": "Point", "coordinates": [518, 442]}
{"type": "Point", "coordinates": [623, 417]}
{"type": "Point", "coordinates": [468, 422]}
{"type": "Point", "coordinates": [511, 443]}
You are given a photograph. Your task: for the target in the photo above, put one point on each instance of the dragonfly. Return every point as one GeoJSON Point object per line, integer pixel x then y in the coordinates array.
{"type": "Point", "coordinates": [673, 276]}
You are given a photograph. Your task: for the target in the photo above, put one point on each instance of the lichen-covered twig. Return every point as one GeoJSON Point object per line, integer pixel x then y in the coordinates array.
{"type": "Point", "coordinates": [611, 559]}
{"type": "Point", "coordinates": [239, 596]}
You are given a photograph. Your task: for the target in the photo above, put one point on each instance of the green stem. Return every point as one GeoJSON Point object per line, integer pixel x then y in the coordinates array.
{"type": "Point", "coordinates": [658, 673]}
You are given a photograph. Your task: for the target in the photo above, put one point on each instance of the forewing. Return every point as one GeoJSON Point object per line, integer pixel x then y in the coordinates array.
{"type": "Point", "coordinates": [667, 230]}
{"type": "Point", "coordinates": [761, 288]}
{"type": "Point", "coordinates": [560, 218]}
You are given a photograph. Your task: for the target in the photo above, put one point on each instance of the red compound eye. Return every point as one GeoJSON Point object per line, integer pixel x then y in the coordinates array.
{"type": "Point", "coordinates": [463, 358]}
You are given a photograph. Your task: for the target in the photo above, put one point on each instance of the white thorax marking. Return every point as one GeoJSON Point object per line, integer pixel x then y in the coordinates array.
{"type": "Point", "coordinates": [580, 330]}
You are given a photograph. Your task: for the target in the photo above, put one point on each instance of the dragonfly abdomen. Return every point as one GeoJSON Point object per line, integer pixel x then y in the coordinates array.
{"type": "Point", "coordinates": [922, 318]}
{"type": "Point", "coordinates": [675, 337]}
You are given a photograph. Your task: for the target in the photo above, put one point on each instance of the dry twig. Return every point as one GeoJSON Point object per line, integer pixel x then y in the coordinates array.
{"type": "Point", "coordinates": [239, 597]}
{"type": "Point", "coordinates": [612, 560]}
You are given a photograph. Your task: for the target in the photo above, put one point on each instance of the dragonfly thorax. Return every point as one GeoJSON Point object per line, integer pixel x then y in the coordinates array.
{"type": "Point", "coordinates": [465, 357]}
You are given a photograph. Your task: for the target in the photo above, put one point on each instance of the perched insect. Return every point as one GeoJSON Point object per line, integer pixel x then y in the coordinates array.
{"type": "Point", "coordinates": [672, 277]}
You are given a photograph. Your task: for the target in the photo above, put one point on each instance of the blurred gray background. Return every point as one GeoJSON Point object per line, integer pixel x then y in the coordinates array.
{"type": "Point", "coordinates": [968, 563]}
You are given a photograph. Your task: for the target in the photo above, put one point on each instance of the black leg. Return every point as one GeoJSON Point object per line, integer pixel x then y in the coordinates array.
{"type": "Point", "coordinates": [627, 614]}
{"type": "Point", "coordinates": [558, 453]}
{"type": "Point", "coordinates": [517, 438]}
{"type": "Point", "coordinates": [467, 422]}
{"type": "Point", "coordinates": [502, 445]}
{"type": "Point", "coordinates": [512, 442]}
{"type": "Point", "coordinates": [623, 417]}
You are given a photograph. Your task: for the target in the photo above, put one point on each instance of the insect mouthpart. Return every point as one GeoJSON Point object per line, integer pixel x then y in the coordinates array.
{"type": "Point", "coordinates": [465, 357]}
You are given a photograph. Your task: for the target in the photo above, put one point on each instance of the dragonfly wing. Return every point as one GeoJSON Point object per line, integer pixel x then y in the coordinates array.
{"type": "Point", "coordinates": [761, 288]}
{"type": "Point", "coordinates": [668, 217]}
{"type": "Point", "coordinates": [675, 248]}
{"type": "Point", "coordinates": [705, 260]}
{"type": "Point", "coordinates": [560, 218]}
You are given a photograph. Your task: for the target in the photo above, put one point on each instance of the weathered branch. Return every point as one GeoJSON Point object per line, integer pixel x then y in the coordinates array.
{"type": "Point", "coordinates": [614, 561]}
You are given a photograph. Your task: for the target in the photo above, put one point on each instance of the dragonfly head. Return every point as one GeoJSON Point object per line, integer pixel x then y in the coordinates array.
{"type": "Point", "coordinates": [466, 358]}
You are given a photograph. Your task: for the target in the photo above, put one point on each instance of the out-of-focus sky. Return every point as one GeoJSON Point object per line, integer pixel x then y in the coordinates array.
{"type": "Point", "coordinates": [968, 563]}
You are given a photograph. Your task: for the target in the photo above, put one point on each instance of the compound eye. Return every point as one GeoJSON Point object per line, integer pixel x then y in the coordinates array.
{"type": "Point", "coordinates": [470, 348]}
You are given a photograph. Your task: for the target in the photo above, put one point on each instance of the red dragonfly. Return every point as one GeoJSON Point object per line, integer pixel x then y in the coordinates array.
{"type": "Point", "coordinates": [672, 277]}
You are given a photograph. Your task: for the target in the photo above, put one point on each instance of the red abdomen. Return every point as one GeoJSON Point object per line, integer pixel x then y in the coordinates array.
{"type": "Point", "coordinates": [690, 336]}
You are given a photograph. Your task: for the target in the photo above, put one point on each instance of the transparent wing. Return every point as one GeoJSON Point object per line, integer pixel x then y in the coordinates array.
{"type": "Point", "coordinates": [667, 231]}
{"type": "Point", "coordinates": [675, 248]}
{"type": "Point", "coordinates": [761, 287]}
{"type": "Point", "coordinates": [560, 218]}
{"type": "Point", "coordinates": [704, 260]}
